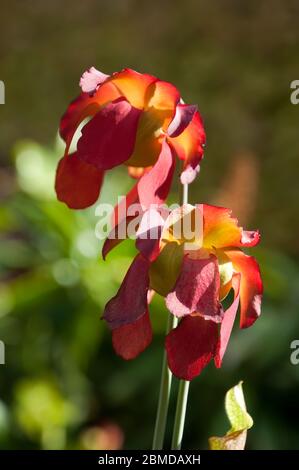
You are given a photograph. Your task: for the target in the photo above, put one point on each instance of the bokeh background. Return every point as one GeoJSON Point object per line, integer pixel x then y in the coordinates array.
{"type": "Point", "coordinates": [62, 387]}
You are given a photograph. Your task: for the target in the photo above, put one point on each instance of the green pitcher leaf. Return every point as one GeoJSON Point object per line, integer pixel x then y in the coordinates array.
{"type": "Point", "coordinates": [240, 421]}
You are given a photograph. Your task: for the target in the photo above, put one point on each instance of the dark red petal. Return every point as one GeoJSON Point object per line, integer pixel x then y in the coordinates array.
{"type": "Point", "coordinates": [251, 289]}
{"type": "Point", "coordinates": [83, 107]}
{"type": "Point", "coordinates": [183, 116]}
{"type": "Point", "coordinates": [130, 340]}
{"type": "Point", "coordinates": [108, 139]}
{"type": "Point", "coordinates": [154, 186]}
{"type": "Point", "coordinates": [77, 183]}
{"type": "Point", "coordinates": [197, 289]}
{"type": "Point", "coordinates": [228, 321]}
{"type": "Point", "coordinates": [130, 302]}
{"type": "Point", "coordinates": [191, 346]}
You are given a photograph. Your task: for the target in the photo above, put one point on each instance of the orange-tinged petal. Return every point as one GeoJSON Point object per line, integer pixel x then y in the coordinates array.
{"type": "Point", "coordinates": [189, 145]}
{"type": "Point", "coordinates": [222, 230]}
{"type": "Point", "coordinates": [148, 141]}
{"type": "Point", "coordinates": [251, 289]}
{"type": "Point", "coordinates": [133, 86]}
{"type": "Point", "coordinates": [163, 99]}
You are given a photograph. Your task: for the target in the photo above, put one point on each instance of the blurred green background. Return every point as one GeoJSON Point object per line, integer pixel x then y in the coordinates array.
{"type": "Point", "coordinates": [62, 386]}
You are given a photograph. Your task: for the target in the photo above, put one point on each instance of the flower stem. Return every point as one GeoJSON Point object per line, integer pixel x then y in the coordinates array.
{"type": "Point", "coordinates": [166, 377]}
{"type": "Point", "coordinates": [180, 414]}
{"type": "Point", "coordinates": [165, 387]}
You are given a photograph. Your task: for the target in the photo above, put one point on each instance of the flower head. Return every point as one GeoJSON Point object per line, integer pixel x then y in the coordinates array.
{"type": "Point", "coordinates": [136, 120]}
{"type": "Point", "coordinates": [194, 272]}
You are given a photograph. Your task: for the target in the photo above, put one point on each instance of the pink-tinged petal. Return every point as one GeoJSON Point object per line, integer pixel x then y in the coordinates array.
{"type": "Point", "coordinates": [191, 346]}
{"type": "Point", "coordinates": [133, 86]}
{"type": "Point", "coordinates": [250, 238]}
{"type": "Point", "coordinates": [154, 186]}
{"type": "Point", "coordinates": [130, 302]}
{"type": "Point", "coordinates": [108, 139]}
{"type": "Point", "coordinates": [82, 107]}
{"type": "Point", "coordinates": [251, 289]}
{"type": "Point", "coordinates": [149, 233]}
{"type": "Point", "coordinates": [189, 145]}
{"type": "Point", "coordinates": [197, 289]}
{"type": "Point", "coordinates": [189, 174]}
{"type": "Point", "coordinates": [131, 340]}
{"type": "Point", "coordinates": [91, 79]}
{"type": "Point", "coordinates": [228, 321]}
{"type": "Point", "coordinates": [183, 116]}
{"type": "Point", "coordinates": [77, 183]}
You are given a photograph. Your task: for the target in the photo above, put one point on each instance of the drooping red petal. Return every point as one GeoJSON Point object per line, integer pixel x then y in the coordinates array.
{"type": "Point", "coordinates": [77, 183]}
{"type": "Point", "coordinates": [183, 116]}
{"type": "Point", "coordinates": [154, 186]}
{"type": "Point", "coordinates": [108, 139]}
{"type": "Point", "coordinates": [251, 289]}
{"type": "Point", "coordinates": [130, 340]}
{"type": "Point", "coordinates": [91, 79]}
{"type": "Point", "coordinates": [83, 107]}
{"type": "Point", "coordinates": [189, 147]}
{"type": "Point", "coordinates": [222, 230]}
{"type": "Point", "coordinates": [191, 346]}
{"type": "Point", "coordinates": [130, 302]}
{"type": "Point", "coordinates": [228, 321]}
{"type": "Point", "coordinates": [197, 289]}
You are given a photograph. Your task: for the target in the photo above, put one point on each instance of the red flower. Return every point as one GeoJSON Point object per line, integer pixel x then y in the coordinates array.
{"type": "Point", "coordinates": [194, 278]}
{"type": "Point", "coordinates": [135, 119]}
